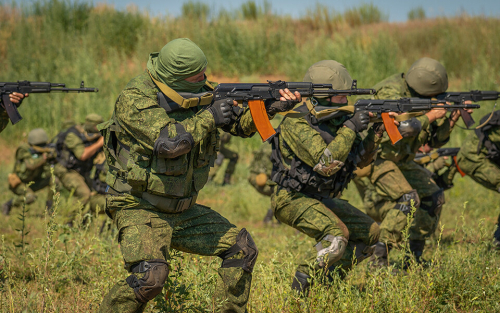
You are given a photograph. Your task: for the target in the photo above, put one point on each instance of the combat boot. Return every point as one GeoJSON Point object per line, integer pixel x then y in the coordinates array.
{"type": "Point", "coordinates": [7, 207]}
{"type": "Point", "coordinates": [379, 258]}
{"type": "Point", "coordinates": [268, 219]}
{"type": "Point", "coordinates": [301, 283]}
{"type": "Point", "coordinates": [227, 179]}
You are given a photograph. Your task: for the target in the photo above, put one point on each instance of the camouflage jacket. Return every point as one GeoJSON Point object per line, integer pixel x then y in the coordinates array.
{"type": "Point", "coordinates": [470, 146]}
{"type": "Point", "coordinates": [436, 133]}
{"type": "Point", "coordinates": [4, 119]}
{"type": "Point", "coordinates": [30, 165]}
{"type": "Point", "coordinates": [135, 126]}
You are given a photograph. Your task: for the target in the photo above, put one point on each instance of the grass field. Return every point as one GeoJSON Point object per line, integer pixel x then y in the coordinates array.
{"type": "Point", "coordinates": [46, 266]}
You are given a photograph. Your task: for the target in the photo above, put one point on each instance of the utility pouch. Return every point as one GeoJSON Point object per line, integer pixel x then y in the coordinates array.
{"type": "Point", "coordinates": [14, 180]}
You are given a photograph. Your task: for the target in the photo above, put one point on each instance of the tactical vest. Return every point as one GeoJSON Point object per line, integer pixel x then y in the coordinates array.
{"type": "Point", "coordinates": [301, 177]}
{"type": "Point", "coordinates": [135, 172]}
{"type": "Point", "coordinates": [483, 132]}
{"type": "Point", "coordinates": [97, 184]}
{"type": "Point", "coordinates": [67, 158]}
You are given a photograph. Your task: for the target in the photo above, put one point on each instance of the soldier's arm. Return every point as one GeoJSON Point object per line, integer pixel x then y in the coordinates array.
{"type": "Point", "coordinates": [388, 92]}
{"type": "Point", "coordinates": [24, 155]}
{"type": "Point", "coordinates": [143, 119]}
{"type": "Point", "coordinates": [243, 125]}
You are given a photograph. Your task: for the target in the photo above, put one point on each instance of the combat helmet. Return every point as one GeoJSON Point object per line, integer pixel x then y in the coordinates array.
{"type": "Point", "coordinates": [38, 137]}
{"type": "Point", "coordinates": [427, 77]}
{"type": "Point", "coordinates": [329, 72]}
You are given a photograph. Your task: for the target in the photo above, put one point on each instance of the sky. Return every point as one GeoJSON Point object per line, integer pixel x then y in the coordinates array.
{"type": "Point", "coordinates": [397, 10]}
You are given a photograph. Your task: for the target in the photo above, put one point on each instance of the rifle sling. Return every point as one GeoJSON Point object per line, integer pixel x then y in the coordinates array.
{"type": "Point", "coordinates": [206, 99]}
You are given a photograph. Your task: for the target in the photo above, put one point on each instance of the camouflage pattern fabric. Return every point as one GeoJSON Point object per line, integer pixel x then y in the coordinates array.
{"type": "Point", "coordinates": [30, 166]}
{"type": "Point", "coordinates": [4, 119]}
{"type": "Point", "coordinates": [261, 164]}
{"type": "Point", "coordinates": [317, 219]}
{"type": "Point", "coordinates": [144, 231]}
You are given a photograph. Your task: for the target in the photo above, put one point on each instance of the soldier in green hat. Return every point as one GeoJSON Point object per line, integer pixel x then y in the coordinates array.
{"type": "Point", "coordinates": [159, 148]}
{"type": "Point", "coordinates": [33, 163]}
{"type": "Point", "coordinates": [399, 183]}
{"type": "Point", "coordinates": [225, 153]}
{"type": "Point", "coordinates": [76, 148]}
{"type": "Point", "coordinates": [313, 161]}
{"type": "Point", "coordinates": [15, 98]}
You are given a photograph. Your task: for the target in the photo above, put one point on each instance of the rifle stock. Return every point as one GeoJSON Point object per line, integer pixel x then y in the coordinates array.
{"type": "Point", "coordinates": [391, 129]}
{"type": "Point", "coordinates": [260, 119]}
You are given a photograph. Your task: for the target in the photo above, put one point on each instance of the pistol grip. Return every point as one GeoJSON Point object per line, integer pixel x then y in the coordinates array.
{"type": "Point", "coordinates": [260, 119]}
{"type": "Point", "coordinates": [390, 128]}
{"type": "Point", "coordinates": [11, 109]}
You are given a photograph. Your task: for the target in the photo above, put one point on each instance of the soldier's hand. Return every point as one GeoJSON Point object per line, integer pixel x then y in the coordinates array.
{"type": "Point", "coordinates": [288, 100]}
{"type": "Point", "coordinates": [17, 97]}
{"type": "Point", "coordinates": [358, 122]}
{"type": "Point", "coordinates": [222, 111]}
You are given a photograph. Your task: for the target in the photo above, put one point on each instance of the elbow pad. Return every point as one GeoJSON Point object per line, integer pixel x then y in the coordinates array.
{"type": "Point", "coordinates": [169, 148]}
{"type": "Point", "coordinates": [410, 128]}
{"type": "Point", "coordinates": [327, 166]}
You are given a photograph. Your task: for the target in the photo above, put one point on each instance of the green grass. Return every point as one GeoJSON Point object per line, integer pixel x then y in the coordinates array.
{"type": "Point", "coordinates": [62, 269]}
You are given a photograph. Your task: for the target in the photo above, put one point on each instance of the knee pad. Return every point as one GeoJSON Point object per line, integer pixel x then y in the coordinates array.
{"type": "Point", "coordinates": [331, 254]}
{"type": "Point", "coordinates": [151, 285]}
{"type": "Point", "coordinates": [433, 203]}
{"type": "Point", "coordinates": [245, 243]}
{"type": "Point", "coordinates": [404, 203]}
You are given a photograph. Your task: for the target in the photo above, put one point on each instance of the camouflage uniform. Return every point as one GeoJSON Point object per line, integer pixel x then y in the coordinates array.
{"type": "Point", "coordinates": [480, 159]}
{"type": "Point", "coordinates": [306, 196]}
{"type": "Point", "coordinates": [72, 172]}
{"type": "Point", "coordinates": [396, 180]}
{"type": "Point", "coordinates": [225, 153]}
{"type": "Point", "coordinates": [4, 119]}
{"type": "Point", "coordinates": [32, 165]}
{"type": "Point", "coordinates": [98, 178]}
{"type": "Point", "coordinates": [152, 196]}
{"type": "Point", "coordinates": [260, 172]}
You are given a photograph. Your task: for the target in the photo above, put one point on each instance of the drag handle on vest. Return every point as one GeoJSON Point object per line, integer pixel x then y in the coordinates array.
{"type": "Point", "coordinates": [260, 119]}
{"type": "Point", "coordinates": [390, 128]}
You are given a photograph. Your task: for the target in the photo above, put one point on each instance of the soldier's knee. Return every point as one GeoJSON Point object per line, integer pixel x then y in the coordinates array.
{"type": "Point", "coordinates": [244, 243]}
{"type": "Point", "coordinates": [151, 284]}
{"type": "Point", "coordinates": [433, 203]}
{"type": "Point", "coordinates": [407, 200]}
{"type": "Point", "coordinates": [235, 158]}
{"type": "Point", "coordinates": [331, 254]}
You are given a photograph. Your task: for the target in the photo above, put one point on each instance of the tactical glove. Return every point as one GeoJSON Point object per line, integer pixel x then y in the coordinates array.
{"type": "Point", "coordinates": [221, 111]}
{"type": "Point", "coordinates": [273, 106]}
{"type": "Point", "coordinates": [358, 122]}
{"type": "Point", "coordinates": [379, 128]}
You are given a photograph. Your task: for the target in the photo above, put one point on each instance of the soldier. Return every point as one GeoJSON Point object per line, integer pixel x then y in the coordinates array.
{"type": "Point", "coordinates": [98, 178]}
{"type": "Point", "coordinates": [76, 148]}
{"type": "Point", "coordinates": [313, 160]}
{"type": "Point", "coordinates": [225, 153]}
{"type": "Point", "coordinates": [260, 172]}
{"type": "Point", "coordinates": [398, 181]}
{"type": "Point", "coordinates": [159, 159]}
{"type": "Point", "coordinates": [33, 163]}
{"type": "Point", "coordinates": [479, 157]}
{"type": "Point", "coordinates": [15, 98]}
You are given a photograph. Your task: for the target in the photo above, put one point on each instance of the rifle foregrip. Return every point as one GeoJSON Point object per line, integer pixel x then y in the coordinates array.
{"type": "Point", "coordinates": [390, 128]}
{"type": "Point", "coordinates": [260, 119]}
{"type": "Point", "coordinates": [11, 109]}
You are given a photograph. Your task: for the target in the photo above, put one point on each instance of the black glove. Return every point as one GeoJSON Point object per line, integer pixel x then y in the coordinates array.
{"type": "Point", "coordinates": [379, 128]}
{"type": "Point", "coordinates": [358, 122]}
{"type": "Point", "coordinates": [221, 111]}
{"type": "Point", "coordinates": [273, 106]}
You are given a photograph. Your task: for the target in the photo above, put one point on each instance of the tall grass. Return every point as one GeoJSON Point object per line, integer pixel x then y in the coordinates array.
{"type": "Point", "coordinates": [66, 41]}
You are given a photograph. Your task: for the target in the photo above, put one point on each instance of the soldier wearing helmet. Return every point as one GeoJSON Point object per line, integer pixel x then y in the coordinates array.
{"type": "Point", "coordinates": [395, 184]}
{"type": "Point", "coordinates": [33, 162]}
{"type": "Point", "coordinates": [313, 161]}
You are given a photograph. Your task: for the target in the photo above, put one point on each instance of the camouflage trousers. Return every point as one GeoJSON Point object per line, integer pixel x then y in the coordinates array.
{"type": "Point", "coordinates": [483, 172]}
{"type": "Point", "coordinates": [387, 183]}
{"type": "Point", "coordinates": [22, 191]}
{"type": "Point", "coordinates": [73, 181]}
{"type": "Point", "coordinates": [317, 219]}
{"type": "Point", "coordinates": [146, 234]}
{"type": "Point", "coordinates": [225, 153]}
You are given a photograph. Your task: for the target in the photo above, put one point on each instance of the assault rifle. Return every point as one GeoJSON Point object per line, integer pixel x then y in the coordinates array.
{"type": "Point", "coordinates": [403, 105]}
{"type": "Point", "coordinates": [255, 95]}
{"type": "Point", "coordinates": [424, 158]}
{"type": "Point", "coordinates": [25, 86]}
{"type": "Point", "coordinates": [473, 95]}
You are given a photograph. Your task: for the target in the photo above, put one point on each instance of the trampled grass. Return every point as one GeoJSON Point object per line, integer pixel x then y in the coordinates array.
{"type": "Point", "coordinates": [62, 269]}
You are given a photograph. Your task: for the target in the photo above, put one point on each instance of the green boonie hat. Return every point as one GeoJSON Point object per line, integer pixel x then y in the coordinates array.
{"type": "Point", "coordinates": [38, 137]}
{"type": "Point", "coordinates": [329, 72]}
{"type": "Point", "coordinates": [93, 118]}
{"type": "Point", "coordinates": [427, 77]}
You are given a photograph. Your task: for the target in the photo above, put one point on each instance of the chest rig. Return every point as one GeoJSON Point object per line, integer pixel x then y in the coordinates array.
{"type": "Point", "coordinates": [301, 177]}
{"type": "Point", "coordinates": [66, 157]}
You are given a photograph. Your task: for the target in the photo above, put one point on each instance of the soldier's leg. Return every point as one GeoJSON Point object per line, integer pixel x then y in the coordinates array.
{"type": "Point", "coordinates": [426, 217]}
{"type": "Point", "coordinates": [231, 166]}
{"type": "Point", "coordinates": [22, 191]}
{"type": "Point", "coordinates": [396, 198]}
{"type": "Point", "coordinates": [217, 165]}
{"type": "Point", "coordinates": [71, 180]}
{"type": "Point", "coordinates": [200, 230]}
